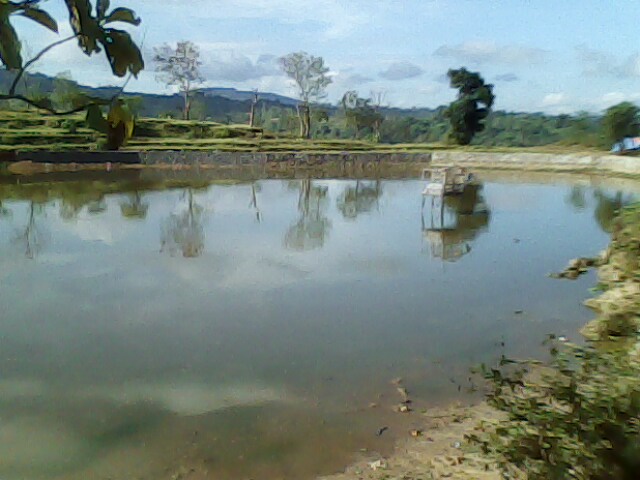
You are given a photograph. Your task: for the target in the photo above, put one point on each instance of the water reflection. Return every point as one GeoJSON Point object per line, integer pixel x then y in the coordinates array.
{"type": "Point", "coordinates": [4, 211]}
{"type": "Point", "coordinates": [451, 224]}
{"type": "Point", "coordinates": [184, 232]}
{"type": "Point", "coordinates": [311, 229]}
{"type": "Point", "coordinates": [606, 203]}
{"type": "Point", "coordinates": [134, 207]}
{"type": "Point", "coordinates": [277, 355]}
{"type": "Point", "coordinates": [253, 204]}
{"type": "Point", "coordinates": [361, 198]}
{"type": "Point", "coordinates": [72, 204]}
{"type": "Point", "coordinates": [30, 238]}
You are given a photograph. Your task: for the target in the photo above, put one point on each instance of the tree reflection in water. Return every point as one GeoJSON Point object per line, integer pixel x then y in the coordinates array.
{"type": "Point", "coordinates": [4, 211]}
{"type": "Point", "coordinates": [184, 232]}
{"type": "Point", "coordinates": [450, 227]}
{"type": "Point", "coordinates": [253, 204]}
{"type": "Point", "coordinates": [361, 198]}
{"type": "Point", "coordinates": [606, 204]}
{"type": "Point", "coordinates": [31, 237]}
{"type": "Point", "coordinates": [134, 207]}
{"type": "Point", "coordinates": [311, 229]}
{"type": "Point", "coordinates": [73, 202]}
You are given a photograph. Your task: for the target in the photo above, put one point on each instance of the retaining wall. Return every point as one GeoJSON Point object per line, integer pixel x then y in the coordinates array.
{"type": "Point", "coordinates": [611, 164]}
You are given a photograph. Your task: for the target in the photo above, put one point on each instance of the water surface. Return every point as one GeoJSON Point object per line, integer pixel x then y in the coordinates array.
{"type": "Point", "coordinates": [241, 331]}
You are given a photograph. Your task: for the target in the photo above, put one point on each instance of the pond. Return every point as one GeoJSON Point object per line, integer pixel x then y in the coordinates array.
{"type": "Point", "coordinates": [253, 330]}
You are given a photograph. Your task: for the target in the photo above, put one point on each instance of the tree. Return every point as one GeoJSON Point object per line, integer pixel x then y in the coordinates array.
{"type": "Point", "coordinates": [65, 91]}
{"type": "Point", "coordinates": [180, 67]}
{"type": "Point", "coordinates": [92, 30]}
{"type": "Point", "coordinates": [360, 113]}
{"type": "Point", "coordinates": [466, 114]}
{"type": "Point", "coordinates": [310, 76]}
{"type": "Point", "coordinates": [621, 121]}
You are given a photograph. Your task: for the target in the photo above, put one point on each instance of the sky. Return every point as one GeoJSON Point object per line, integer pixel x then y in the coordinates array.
{"type": "Point", "coordinates": [541, 55]}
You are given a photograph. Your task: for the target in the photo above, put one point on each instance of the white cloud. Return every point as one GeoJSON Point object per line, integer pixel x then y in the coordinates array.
{"type": "Point", "coordinates": [554, 99]}
{"type": "Point", "coordinates": [609, 99]}
{"type": "Point", "coordinates": [485, 52]}
{"type": "Point", "coordinates": [431, 88]}
{"type": "Point", "coordinates": [337, 17]}
{"type": "Point", "coordinates": [557, 102]}
{"type": "Point", "coordinates": [507, 77]}
{"type": "Point", "coordinates": [401, 71]}
{"type": "Point", "coordinates": [597, 63]}
{"type": "Point", "coordinates": [234, 67]}
{"type": "Point", "coordinates": [356, 79]}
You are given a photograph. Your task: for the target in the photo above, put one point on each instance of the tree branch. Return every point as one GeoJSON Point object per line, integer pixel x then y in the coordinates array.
{"type": "Point", "coordinates": [47, 108]}
{"type": "Point", "coordinates": [21, 72]}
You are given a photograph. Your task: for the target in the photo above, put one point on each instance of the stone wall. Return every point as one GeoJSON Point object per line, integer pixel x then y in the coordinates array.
{"type": "Point", "coordinates": [287, 158]}
{"type": "Point", "coordinates": [587, 163]}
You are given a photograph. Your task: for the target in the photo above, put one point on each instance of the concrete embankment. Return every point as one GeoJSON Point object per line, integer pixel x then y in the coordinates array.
{"type": "Point", "coordinates": [604, 164]}
{"type": "Point", "coordinates": [549, 162]}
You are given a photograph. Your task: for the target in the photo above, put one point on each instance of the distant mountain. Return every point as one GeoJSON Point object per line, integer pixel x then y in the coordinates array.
{"type": "Point", "coordinates": [241, 95]}
{"type": "Point", "coordinates": [220, 104]}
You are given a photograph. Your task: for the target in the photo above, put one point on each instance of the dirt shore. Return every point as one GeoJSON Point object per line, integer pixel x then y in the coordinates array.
{"type": "Point", "coordinates": [435, 450]}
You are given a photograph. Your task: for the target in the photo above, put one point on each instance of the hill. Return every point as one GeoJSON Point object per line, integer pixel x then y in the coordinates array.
{"type": "Point", "coordinates": [226, 105]}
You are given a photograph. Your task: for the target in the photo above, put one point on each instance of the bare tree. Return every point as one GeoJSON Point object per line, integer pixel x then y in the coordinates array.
{"type": "Point", "coordinates": [179, 67]}
{"type": "Point", "coordinates": [252, 112]}
{"type": "Point", "coordinates": [311, 79]}
{"type": "Point", "coordinates": [377, 99]}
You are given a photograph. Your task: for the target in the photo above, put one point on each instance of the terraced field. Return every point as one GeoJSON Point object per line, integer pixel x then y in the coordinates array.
{"type": "Point", "coordinates": [32, 131]}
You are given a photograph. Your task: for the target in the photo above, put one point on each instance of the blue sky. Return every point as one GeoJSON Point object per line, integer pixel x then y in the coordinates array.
{"type": "Point", "coordinates": [541, 55]}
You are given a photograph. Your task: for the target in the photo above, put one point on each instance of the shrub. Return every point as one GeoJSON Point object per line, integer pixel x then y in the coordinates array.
{"type": "Point", "coordinates": [580, 420]}
{"type": "Point", "coordinates": [70, 125]}
{"type": "Point", "coordinates": [222, 132]}
{"type": "Point", "coordinates": [200, 131]}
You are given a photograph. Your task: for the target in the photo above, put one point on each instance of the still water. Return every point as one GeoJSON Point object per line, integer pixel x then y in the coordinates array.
{"type": "Point", "coordinates": [242, 331]}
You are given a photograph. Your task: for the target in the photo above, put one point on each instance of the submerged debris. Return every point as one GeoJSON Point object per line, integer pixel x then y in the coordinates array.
{"type": "Point", "coordinates": [378, 465]}
{"type": "Point", "coordinates": [404, 394]}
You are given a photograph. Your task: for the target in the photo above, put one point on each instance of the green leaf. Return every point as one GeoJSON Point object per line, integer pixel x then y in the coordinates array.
{"type": "Point", "coordinates": [120, 113]}
{"type": "Point", "coordinates": [123, 15]}
{"type": "Point", "coordinates": [9, 44]}
{"type": "Point", "coordinates": [102, 7]}
{"type": "Point", "coordinates": [42, 17]}
{"type": "Point", "coordinates": [123, 54]}
{"type": "Point", "coordinates": [84, 25]}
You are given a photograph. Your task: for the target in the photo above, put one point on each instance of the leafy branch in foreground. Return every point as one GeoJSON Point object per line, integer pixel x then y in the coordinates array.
{"type": "Point", "coordinates": [92, 28]}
